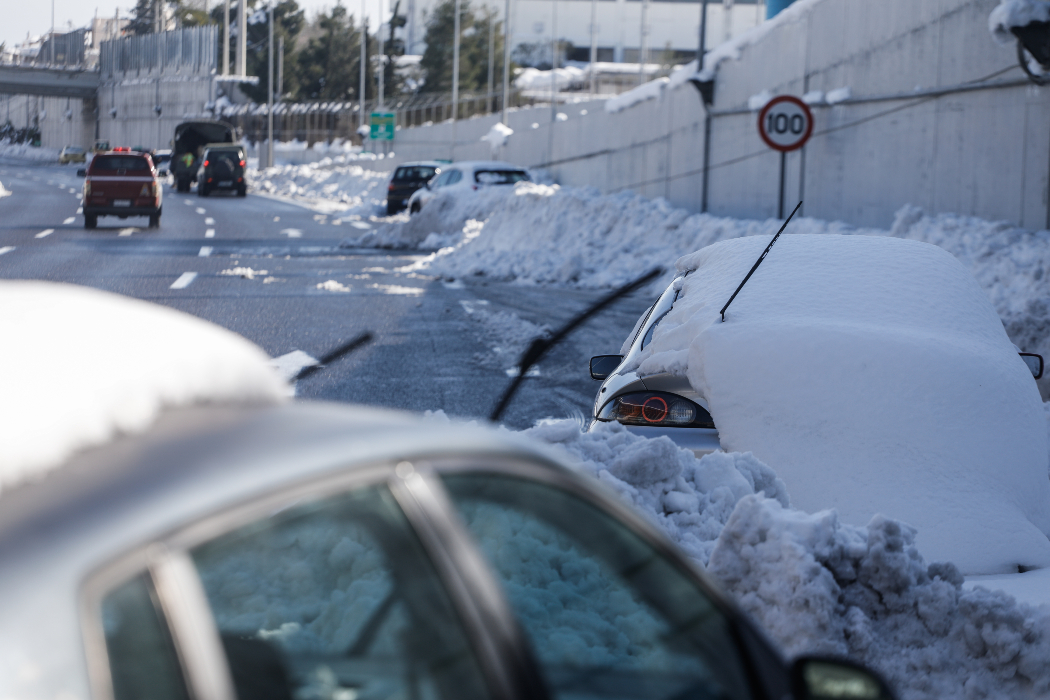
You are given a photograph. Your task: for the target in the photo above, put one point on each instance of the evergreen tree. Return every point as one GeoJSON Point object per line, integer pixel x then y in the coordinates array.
{"type": "Point", "coordinates": [329, 66]}
{"type": "Point", "coordinates": [473, 49]}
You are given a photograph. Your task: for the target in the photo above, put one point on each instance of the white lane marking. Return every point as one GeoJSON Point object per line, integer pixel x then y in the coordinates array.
{"type": "Point", "coordinates": [128, 231]}
{"type": "Point", "coordinates": [6, 249]}
{"type": "Point", "coordinates": [200, 210]}
{"type": "Point", "coordinates": [276, 219]}
{"type": "Point", "coordinates": [184, 280]}
{"type": "Point", "coordinates": [360, 225]}
{"type": "Point", "coordinates": [72, 191]}
{"type": "Point", "coordinates": [208, 221]}
{"type": "Point", "coordinates": [534, 371]}
{"type": "Point", "coordinates": [292, 232]}
{"type": "Point", "coordinates": [69, 220]}
{"type": "Point", "coordinates": [210, 233]}
{"type": "Point", "coordinates": [290, 364]}
{"type": "Point", "coordinates": [46, 232]}
{"type": "Point", "coordinates": [205, 251]}
{"type": "Point", "coordinates": [187, 202]}
{"type": "Point", "coordinates": [80, 210]}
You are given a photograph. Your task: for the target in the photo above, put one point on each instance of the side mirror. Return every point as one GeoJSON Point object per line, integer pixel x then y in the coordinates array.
{"type": "Point", "coordinates": [81, 172]}
{"type": "Point", "coordinates": [1034, 362]}
{"type": "Point", "coordinates": [823, 678]}
{"type": "Point", "coordinates": [604, 365]}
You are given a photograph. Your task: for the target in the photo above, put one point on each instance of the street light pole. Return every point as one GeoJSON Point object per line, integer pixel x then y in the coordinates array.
{"type": "Point", "coordinates": [554, 60]}
{"type": "Point", "coordinates": [492, 57]}
{"type": "Point", "coordinates": [364, 63]}
{"type": "Point", "coordinates": [594, 41]}
{"type": "Point", "coordinates": [382, 58]}
{"type": "Point", "coordinates": [269, 98]}
{"type": "Point", "coordinates": [226, 38]}
{"type": "Point", "coordinates": [455, 64]}
{"type": "Point", "coordinates": [506, 61]}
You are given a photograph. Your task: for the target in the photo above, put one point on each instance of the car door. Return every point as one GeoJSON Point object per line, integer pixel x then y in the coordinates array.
{"type": "Point", "coordinates": [495, 580]}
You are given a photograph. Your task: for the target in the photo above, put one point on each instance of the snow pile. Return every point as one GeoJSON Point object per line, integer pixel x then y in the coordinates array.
{"type": "Point", "coordinates": [816, 584]}
{"type": "Point", "coordinates": [141, 359]}
{"type": "Point", "coordinates": [652, 90]}
{"type": "Point", "coordinates": [23, 151]}
{"type": "Point", "coordinates": [506, 334]}
{"type": "Point", "coordinates": [1016, 13]}
{"type": "Point", "coordinates": [498, 135]}
{"type": "Point", "coordinates": [869, 372]}
{"type": "Point", "coordinates": [838, 95]}
{"type": "Point", "coordinates": [447, 220]}
{"type": "Point", "coordinates": [323, 186]}
{"type": "Point", "coordinates": [4, 192]}
{"type": "Point", "coordinates": [565, 78]}
{"type": "Point", "coordinates": [756, 102]}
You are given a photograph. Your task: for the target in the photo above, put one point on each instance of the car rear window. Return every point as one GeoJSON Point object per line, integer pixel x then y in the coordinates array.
{"type": "Point", "coordinates": [415, 173]}
{"type": "Point", "coordinates": [128, 163]}
{"type": "Point", "coordinates": [500, 177]}
{"type": "Point", "coordinates": [231, 152]}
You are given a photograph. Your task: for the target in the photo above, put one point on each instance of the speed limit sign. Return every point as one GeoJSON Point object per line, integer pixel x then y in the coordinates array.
{"type": "Point", "coordinates": [785, 123]}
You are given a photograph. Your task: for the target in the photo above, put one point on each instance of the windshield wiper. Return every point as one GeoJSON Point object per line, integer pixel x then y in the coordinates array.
{"type": "Point", "coordinates": [539, 346]}
{"type": "Point", "coordinates": [338, 353]}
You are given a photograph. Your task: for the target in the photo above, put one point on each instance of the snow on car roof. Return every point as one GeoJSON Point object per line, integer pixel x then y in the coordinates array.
{"type": "Point", "coordinates": [82, 365]}
{"type": "Point", "coordinates": [874, 375]}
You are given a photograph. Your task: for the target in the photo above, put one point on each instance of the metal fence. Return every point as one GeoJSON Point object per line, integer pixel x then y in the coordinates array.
{"type": "Point", "coordinates": [192, 51]}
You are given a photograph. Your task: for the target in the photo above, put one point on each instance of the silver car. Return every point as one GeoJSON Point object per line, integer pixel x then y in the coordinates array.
{"type": "Point", "coordinates": [318, 552]}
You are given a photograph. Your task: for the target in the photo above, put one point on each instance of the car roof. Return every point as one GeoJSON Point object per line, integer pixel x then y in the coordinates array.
{"type": "Point", "coordinates": [427, 163]}
{"type": "Point", "coordinates": [480, 164]}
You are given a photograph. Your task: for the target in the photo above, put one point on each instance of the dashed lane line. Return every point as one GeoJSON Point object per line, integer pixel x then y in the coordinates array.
{"type": "Point", "coordinates": [80, 210]}
{"type": "Point", "coordinates": [210, 233]}
{"type": "Point", "coordinates": [208, 220]}
{"type": "Point", "coordinates": [205, 251]}
{"type": "Point", "coordinates": [69, 221]}
{"type": "Point", "coordinates": [6, 249]}
{"type": "Point", "coordinates": [46, 232]}
{"type": "Point", "coordinates": [201, 210]}
{"type": "Point", "coordinates": [184, 280]}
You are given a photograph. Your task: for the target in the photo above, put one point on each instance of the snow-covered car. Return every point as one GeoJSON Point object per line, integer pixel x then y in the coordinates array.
{"type": "Point", "coordinates": [867, 371]}
{"type": "Point", "coordinates": [184, 532]}
{"type": "Point", "coordinates": [468, 176]}
{"type": "Point", "coordinates": [407, 178]}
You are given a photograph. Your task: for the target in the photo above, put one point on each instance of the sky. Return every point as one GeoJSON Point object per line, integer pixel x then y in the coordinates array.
{"type": "Point", "coordinates": [35, 17]}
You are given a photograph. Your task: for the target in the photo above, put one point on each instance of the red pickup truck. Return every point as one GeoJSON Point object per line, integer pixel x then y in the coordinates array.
{"type": "Point", "coordinates": [121, 183]}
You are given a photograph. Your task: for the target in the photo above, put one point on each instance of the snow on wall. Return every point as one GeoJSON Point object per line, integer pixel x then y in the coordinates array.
{"type": "Point", "coordinates": [143, 358]}
{"type": "Point", "coordinates": [870, 373]}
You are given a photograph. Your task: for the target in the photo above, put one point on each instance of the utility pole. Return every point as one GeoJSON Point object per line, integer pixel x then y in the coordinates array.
{"type": "Point", "coordinates": [226, 37]}
{"type": "Point", "coordinates": [643, 49]}
{"type": "Point", "coordinates": [455, 65]}
{"type": "Point", "coordinates": [280, 67]}
{"type": "Point", "coordinates": [242, 38]}
{"type": "Point", "coordinates": [52, 62]}
{"type": "Point", "coordinates": [269, 99]}
{"type": "Point", "coordinates": [594, 43]}
{"type": "Point", "coordinates": [364, 62]}
{"type": "Point", "coordinates": [554, 60]}
{"type": "Point", "coordinates": [506, 61]}
{"type": "Point", "coordinates": [382, 58]}
{"type": "Point", "coordinates": [492, 57]}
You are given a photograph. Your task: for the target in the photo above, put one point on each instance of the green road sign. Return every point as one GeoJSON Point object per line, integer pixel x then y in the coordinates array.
{"type": "Point", "coordinates": [383, 126]}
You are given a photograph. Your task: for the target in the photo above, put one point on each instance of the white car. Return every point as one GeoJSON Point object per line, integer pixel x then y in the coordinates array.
{"type": "Point", "coordinates": [468, 176]}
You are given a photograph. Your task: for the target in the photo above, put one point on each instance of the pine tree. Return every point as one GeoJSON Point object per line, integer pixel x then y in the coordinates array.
{"type": "Point", "coordinates": [473, 49]}
{"type": "Point", "coordinates": [329, 66]}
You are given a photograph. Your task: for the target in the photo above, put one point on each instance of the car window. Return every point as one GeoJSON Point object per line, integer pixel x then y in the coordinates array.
{"type": "Point", "coordinates": [657, 313]}
{"type": "Point", "coordinates": [442, 179]}
{"type": "Point", "coordinates": [454, 176]}
{"type": "Point", "coordinates": [129, 163]}
{"type": "Point", "coordinates": [415, 173]}
{"type": "Point", "coordinates": [607, 615]}
{"type": "Point", "coordinates": [341, 594]}
{"type": "Point", "coordinates": [500, 177]}
{"type": "Point", "coordinates": [143, 662]}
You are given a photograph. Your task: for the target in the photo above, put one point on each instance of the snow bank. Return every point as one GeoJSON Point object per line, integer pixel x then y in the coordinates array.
{"type": "Point", "coordinates": [22, 151]}
{"type": "Point", "coordinates": [1016, 13]}
{"type": "Point", "coordinates": [498, 135]}
{"type": "Point", "coordinates": [324, 186]}
{"type": "Point", "coordinates": [565, 78]}
{"type": "Point", "coordinates": [870, 373]}
{"type": "Point", "coordinates": [141, 359]}
{"type": "Point", "coordinates": [818, 585]}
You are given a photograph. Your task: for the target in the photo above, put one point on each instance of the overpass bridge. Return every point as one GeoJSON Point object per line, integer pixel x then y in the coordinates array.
{"type": "Point", "coordinates": [49, 82]}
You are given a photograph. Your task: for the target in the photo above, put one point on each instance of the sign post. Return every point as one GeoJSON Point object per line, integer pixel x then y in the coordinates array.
{"type": "Point", "coordinates": [785, 124]}
{"type": "Point", "coordinates": [382, 124]}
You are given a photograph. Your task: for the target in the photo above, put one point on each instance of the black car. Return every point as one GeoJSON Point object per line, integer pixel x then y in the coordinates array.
{"type": "Point", "coordinates": [222, 168]}
{"type": "Point", "coordinates": [408, 178]}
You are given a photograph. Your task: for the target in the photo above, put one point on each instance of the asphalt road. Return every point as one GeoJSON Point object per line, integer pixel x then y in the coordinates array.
{"type": "Point", "coordinates": [254, 266]}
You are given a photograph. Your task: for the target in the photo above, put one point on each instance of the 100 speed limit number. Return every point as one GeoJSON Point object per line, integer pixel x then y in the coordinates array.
{"type": "Point", "coordinates": [785, 123]}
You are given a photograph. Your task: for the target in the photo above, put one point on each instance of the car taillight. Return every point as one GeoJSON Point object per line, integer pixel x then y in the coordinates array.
{"type": "Point", "coordinates": [242, 163]}
{"type": "Point", "coordinates": [656, 408]}
{"type": "Point", "coordinates": [390, 187]}
{"type": "Point", "coordinates": [87, 188]}
{"type": "Point", "coordinates": [205, 164]}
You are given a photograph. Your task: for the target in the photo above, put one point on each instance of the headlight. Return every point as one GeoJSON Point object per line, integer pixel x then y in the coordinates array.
{"type": "Point", "coordinates": [656, 408]}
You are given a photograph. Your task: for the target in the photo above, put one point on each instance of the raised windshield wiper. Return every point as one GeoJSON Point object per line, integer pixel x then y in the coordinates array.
{"type": "Point", "coordinates": [539, 346]}
{"type": "Point", "coordinates": [341, 351]}
{"type": "Point", "coordinates": [758, 262]}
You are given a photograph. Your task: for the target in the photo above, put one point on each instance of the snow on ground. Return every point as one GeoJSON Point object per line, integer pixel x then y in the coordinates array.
{"type": "Point", "coordinates": [350, 190]}
{"type": "Point", "coordinates": [142, 358]}
{"type": "Point", "coordinates": [25, 152]}
{"type": "Point", "coordinates": [870, 372]}
{"type": "Point", "coordinates": [815, 584]}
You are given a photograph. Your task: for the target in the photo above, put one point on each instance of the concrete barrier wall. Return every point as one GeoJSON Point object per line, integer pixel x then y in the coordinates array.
{"type": "Point", "coordinates": [940, 116]}
{"type": "Point", "coordinates": [134, 121]}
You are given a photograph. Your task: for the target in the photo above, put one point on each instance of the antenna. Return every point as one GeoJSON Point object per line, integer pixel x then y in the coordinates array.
{"type": "Point", "coordinates": [758, 262]}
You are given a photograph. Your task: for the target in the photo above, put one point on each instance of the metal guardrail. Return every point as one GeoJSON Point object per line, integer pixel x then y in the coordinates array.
{"type": "Point", "coordinates": [192, 51]}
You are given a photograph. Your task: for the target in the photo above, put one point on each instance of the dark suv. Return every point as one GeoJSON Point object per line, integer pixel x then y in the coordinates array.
{"type": "Point", "coordinates": [408, 178]}
{"type": "Point", "coordinates": [121, 183]}
{"type": "Point", "coordinates": [222, 168]}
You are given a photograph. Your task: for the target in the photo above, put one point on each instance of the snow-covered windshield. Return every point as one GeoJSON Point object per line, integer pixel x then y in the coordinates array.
{"type": "Point", "coordinates": [500, 177]}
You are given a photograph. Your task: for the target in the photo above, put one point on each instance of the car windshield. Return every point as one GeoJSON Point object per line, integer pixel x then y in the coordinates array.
{"type": "Point", "coordinates": [500, 177]}
{"type": "Point", "coordinates": [129, 163]}
{"type": "Point", "coordinates": [415, 173]}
